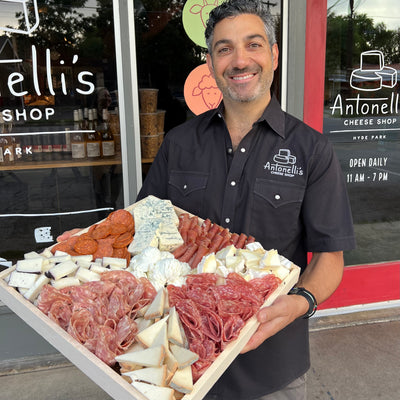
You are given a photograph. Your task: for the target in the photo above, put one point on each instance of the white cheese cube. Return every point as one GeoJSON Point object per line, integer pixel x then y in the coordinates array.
{"type": "Point", "coordinates": [23, 280]}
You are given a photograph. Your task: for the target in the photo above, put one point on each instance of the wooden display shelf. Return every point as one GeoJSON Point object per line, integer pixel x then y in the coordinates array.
{"type": "Point", "coordinates": [25, 165]}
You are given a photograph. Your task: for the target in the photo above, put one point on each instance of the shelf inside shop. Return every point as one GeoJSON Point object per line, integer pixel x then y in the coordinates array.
{"type": "Point", "coordinates": [25, 165]}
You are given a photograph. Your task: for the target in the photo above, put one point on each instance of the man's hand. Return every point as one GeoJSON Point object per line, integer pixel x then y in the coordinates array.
{"type": "Point", "coordinates": [284, 310]}
{"type": "Point", "coordinates": [67, 234]}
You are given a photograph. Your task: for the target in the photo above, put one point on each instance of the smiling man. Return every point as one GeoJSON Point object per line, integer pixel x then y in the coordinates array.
{"type": "Point", "coordinates": [253, 168]}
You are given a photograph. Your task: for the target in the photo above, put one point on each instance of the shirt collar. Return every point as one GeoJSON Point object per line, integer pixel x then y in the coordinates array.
{"type": "Point", "coordinates": [272, 115]}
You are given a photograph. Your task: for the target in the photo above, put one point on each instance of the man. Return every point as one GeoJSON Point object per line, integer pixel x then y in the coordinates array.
{"type": "Point", "coordinates": [252, 168]}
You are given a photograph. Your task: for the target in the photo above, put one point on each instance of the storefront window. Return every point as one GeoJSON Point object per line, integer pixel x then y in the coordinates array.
{"type": "Point", "coordinates": [362, 119]}
{"type": "Point", "coordinates": [60, 163]}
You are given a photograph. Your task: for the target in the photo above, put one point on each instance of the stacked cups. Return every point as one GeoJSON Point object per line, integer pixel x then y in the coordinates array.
{"type": "Point", "coordinates": [151, 122]}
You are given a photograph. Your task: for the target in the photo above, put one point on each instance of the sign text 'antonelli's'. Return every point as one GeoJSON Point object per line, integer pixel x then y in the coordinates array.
{"type": "Point", "coordinates": [18, 86]}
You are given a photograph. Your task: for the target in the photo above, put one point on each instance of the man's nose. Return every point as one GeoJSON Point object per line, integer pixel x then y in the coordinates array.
{"type": "Point", "coordinates": [241, 58]}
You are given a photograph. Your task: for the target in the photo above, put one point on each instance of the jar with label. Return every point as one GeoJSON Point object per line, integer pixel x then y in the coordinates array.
{"type": "Point", "coordinates": [93, 139]}
{"type": "Point", "coordinates": [78, 142]}
{"type": "Point", "coordinates": [108, 142]}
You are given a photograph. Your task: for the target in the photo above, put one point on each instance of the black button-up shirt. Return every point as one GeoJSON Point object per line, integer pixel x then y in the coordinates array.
{"type": "Point", "coordinates": [283, 185]}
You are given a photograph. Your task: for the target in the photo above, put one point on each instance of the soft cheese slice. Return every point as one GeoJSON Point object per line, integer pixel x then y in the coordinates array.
{"type": "Point", "coordinates": [153, 392]}
{"type": "Point", "coordinates": [86, 275]}
{"type": "Point", "coordinates": [147, 336]}
{"type": "Point", "coordinates": [32, 293]}
{"type": "Point", "coordinates": [34, 265]}
{"type": "Point", "coordinates": [151, 357]}
{"type": "Point", "coordinates": [23, 280]}
{"type": "Point", "coordinates": [65, 282]}
{"type": "Point", "coordinates": [63, 269]}
{"type": "Point", "coordinates": [153, 375]}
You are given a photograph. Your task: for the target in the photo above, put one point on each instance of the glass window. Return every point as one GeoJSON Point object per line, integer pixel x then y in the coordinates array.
{"type": "Point", "coordinates": [60, 163]}
{"type": "Point", "coordinates": [362, 118]}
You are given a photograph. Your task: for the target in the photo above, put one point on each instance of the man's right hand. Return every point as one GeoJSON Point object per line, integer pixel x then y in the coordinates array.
{"type": "Point", "coordinates": [67, 234]}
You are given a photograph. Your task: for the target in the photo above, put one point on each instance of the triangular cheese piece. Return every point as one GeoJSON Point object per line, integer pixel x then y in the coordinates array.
{"type": "Point", "coordinates": [182, 381]}
{"type": "Point", "coordinates": [152, 357]}
{"type": "Point", "coordinates": [154, 375]}
{"type": "Point", "coordinates": [185, 357]}
{"type": "Point", "coordinates": [147, 335]}
{"type": "Point", "coordinates": [153, 392]}
{"type": "Point", "coordinates": [175, 332]}
{"type": "Point", "coordinates": [156, 308]}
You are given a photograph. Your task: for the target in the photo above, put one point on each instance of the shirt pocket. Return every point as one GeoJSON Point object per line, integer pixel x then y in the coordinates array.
{"type": "Point", "coordinates": [275, 215]}
{"type": "Point", "coordinates": [187, 189]}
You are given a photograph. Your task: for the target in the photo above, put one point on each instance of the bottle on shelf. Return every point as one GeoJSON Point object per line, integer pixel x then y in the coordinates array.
{"type": "Point", "coordinates": [47, 147]}
{"type": "Point", "coordinates": [108, 142]}
{"type": "Point", "coordinates": [17, 144]}
{"type": "Point", "coordinates": [6, 151]}
{"type": "Point", "coordinates": [37, 149]}
{"type": "Point", "coordinates": [83, 117]}
{"type": "Point", "coordinates": [57, 146]}
{"type": "Point", "coordinates": [66, 145]}
{"type": "Point", "coordinates": [93, 139]}
{"type": "Point", "coordinates": [78, 142]}
{"type": "Point", "coordinates": [27, 147]}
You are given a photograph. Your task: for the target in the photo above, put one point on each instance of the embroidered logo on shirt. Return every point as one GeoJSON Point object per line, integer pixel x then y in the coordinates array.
{"type": "Point", "coordinates": [284, 164]}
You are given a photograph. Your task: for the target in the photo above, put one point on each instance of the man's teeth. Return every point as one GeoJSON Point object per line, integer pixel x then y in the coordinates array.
{"type": "Point", "coordinates": [239, 78]}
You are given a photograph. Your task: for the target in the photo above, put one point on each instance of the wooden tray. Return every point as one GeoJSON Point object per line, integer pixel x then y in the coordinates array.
{"type": "Point", "coordinates": [100, 373]}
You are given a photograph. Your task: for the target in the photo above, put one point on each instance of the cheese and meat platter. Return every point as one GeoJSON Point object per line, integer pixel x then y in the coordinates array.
{"type": "Point", "coordinates": [150, 303]}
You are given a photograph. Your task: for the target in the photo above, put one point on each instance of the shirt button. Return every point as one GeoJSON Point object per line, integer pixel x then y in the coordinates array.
{"type": "Point", "coordinates": [227, 220]}
{"type": "Point", "coordinates": [230, 150]}
{"type": "Point", "coordinates": [242, 149]}
{"type": "Point", "coordinates": [277, 197]}
{"type": "Point", "coordinates": [185, 187]}
{"type": "Point", "coordinates": [233, 183]}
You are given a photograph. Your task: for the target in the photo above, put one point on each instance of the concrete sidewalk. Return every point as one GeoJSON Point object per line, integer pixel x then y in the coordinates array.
{"type": "Point", "coordinates": [353, 357]}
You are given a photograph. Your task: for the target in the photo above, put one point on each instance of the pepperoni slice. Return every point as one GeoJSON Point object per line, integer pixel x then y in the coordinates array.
{"type": "Point", "coordinates": [101, 231]}
{"type": "Point", "coordinates": [122, 240]}
{"type": "Point", "coordinates": [122, 217]}
{"type": "Point", "coordinates": [85, 245]}
{"type": "Point", "coordinates": [117, 228]}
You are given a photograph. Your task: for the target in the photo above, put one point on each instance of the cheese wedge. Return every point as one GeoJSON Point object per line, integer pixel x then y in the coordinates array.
{"type": "Point", "coordinates": [154, 375]}
{"type": "Point", "coordinates": [185, 357]}
{"type": "Point", "coordinates": [182, 381]}
{"type": "Point", "coordinates": [151, 357]}
{"type": "Point", "coordinates": [153, 392]}
{"type": "Point", "coordinates": [147, 336]}
{"type": "Point", "coordinates": [175, 331]}
{"type": "Point", "coordinates": [156, 308]}
{"type": "Point", "coordinates": [117, 263]}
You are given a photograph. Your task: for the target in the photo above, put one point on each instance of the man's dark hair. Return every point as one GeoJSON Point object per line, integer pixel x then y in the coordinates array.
{"type": "Point", "coordinates": [233, 8]}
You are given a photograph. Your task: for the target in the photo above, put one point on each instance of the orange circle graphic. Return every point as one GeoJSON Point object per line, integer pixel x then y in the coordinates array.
{"type": "Point", "coordinates": [201, 91]}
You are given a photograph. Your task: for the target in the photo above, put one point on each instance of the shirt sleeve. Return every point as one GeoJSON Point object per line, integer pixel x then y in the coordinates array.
{"type": "Point", "coordinates": [326, 208]}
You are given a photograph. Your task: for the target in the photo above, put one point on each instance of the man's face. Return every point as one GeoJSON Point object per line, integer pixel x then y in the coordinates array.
{"type": "Point", "coordinates": [242, 61]}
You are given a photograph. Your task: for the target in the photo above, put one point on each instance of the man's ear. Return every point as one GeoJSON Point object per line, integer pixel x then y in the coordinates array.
{"type": "Point", "coordinates": [209, 64]}
{"type": "Point", "coordinates": [275, 56]}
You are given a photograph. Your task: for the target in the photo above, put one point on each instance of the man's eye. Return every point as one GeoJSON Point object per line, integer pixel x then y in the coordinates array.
{"type": "Point", "coordinates": [254, 45]}
{"type": "Point", "coordinates": [223, 50]}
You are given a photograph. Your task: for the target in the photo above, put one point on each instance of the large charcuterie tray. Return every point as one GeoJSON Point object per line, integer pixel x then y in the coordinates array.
{"type": "Point", "coordinates": [103, 375]}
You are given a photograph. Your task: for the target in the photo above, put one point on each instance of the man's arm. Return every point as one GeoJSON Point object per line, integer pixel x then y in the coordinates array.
{"type": "Point", "coordinates": [321, 277]}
